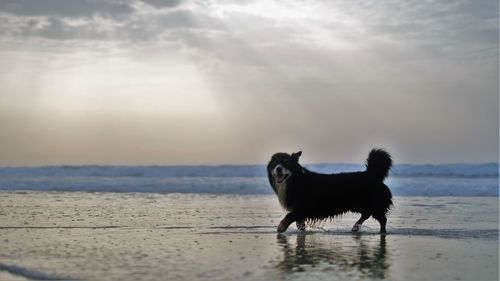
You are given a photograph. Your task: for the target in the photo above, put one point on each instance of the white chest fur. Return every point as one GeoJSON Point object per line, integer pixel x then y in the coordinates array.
{"type": "Point", "coordinates": [282, 187]}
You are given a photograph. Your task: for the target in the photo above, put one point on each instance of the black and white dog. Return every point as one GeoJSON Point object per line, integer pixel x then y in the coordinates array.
{"type": "Point", "coordinates": [309, 196]}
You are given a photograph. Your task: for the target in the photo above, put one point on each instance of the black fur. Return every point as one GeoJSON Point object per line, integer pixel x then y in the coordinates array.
{"type": "Point", "coordinates": [313, 196]}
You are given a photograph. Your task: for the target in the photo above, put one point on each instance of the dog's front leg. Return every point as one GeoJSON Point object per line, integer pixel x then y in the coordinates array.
{"type": "Point", "coordinates": [286, 221]}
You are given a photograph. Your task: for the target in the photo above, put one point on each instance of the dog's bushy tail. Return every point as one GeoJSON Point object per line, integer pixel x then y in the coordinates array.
{"type": "Point", "coordinates": [378, 164]}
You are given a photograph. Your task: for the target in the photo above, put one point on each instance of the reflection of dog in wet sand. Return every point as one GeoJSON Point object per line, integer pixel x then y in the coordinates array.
{"type": "Point", "coordinates": [369, 260]}
{"type": "Point", "coordinates": [310, 196]}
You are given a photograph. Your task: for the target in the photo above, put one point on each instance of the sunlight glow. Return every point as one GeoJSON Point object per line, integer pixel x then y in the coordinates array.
{"type": "Point", "coordinates": [118, 84]}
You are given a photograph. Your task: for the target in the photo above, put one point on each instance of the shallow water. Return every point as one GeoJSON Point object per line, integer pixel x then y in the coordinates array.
{"type": "Point", "coordinates": [140, 236]}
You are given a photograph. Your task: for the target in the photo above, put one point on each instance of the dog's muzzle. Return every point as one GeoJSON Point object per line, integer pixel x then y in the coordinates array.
{"type": "Point", "coordinates": [280, 174]}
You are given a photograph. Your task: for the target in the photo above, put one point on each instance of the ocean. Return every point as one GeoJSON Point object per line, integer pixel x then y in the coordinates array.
{"type": "Point", "coordinates": [219, 223]}
{"type": "Point", "coordinates": [404, 180]}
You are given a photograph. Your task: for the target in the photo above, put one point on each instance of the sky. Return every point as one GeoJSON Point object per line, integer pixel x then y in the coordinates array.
{"type": "Point", "coordinates": [179, 82]}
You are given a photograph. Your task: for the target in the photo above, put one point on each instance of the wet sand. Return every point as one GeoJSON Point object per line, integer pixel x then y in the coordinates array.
{"type": "Point", "coordinates": [144, 236]}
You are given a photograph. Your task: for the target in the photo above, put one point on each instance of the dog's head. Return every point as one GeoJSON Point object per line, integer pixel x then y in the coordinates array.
{"type": "Point", "coordinates": [283, 167]}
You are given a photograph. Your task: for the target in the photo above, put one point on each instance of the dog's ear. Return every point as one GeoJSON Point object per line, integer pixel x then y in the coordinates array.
{"type": "Point", "coordinates": [296, 155]}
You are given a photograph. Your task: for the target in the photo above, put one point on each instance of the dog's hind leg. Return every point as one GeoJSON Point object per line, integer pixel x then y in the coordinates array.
{"type": "Point", "coordinates": [380, 217]}
{"type": "Point", "coordinates": [357, 225]}
{"type": "Point", "coordinates": [301, 224]}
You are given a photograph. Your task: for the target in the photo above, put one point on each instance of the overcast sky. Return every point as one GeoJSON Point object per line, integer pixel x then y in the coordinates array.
{"type": "Point", "coordinates": [231, 82]}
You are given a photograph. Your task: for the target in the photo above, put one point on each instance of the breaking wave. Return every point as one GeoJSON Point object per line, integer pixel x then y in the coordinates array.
{"type": "Point", "coordinates": [406, 179]}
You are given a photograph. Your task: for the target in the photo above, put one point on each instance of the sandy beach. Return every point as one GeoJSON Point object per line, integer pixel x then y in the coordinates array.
{"type": "Point", "coordinates": [145, 236]}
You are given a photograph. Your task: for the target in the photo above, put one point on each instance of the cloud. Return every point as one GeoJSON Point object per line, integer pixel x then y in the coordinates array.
{"type": "Point", "coordinates": [395, 29]}
{"type": "Point", "coordinates": [89, 20]}
{"type": "Point", "coordinates": [64, 8]}
{"type": "Point", "coordinates": [160, 4]}
{"type": "Point", "coordinates": [57, 28]}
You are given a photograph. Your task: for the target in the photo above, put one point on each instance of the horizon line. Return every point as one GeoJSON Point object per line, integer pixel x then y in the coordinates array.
{"type": "Point", "coordinates": [234, 165]}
